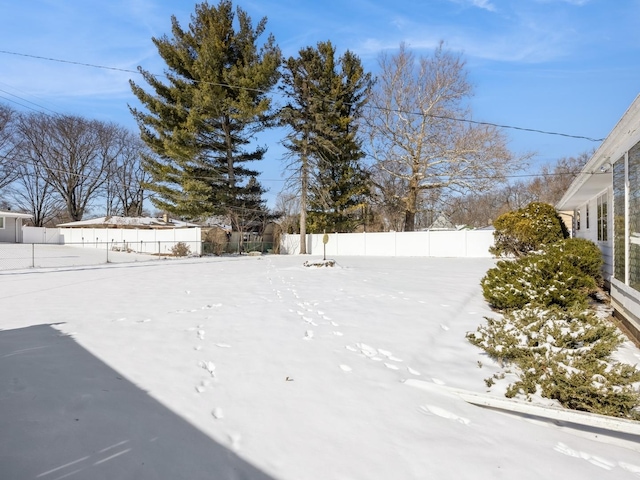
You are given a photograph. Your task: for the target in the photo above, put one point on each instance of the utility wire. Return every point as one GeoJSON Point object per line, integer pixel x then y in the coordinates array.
{"type": "Point", "coordinates": [440, 117]}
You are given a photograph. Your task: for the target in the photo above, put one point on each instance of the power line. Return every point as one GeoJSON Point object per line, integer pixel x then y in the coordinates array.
{"type": "Point", "coordinates": [440, 117]}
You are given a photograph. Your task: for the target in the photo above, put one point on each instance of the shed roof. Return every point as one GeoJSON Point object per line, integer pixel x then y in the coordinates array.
{"type": "Point", "coordinates": [129, 222]}
{"type": "Point", "coordinates": [9, 214]}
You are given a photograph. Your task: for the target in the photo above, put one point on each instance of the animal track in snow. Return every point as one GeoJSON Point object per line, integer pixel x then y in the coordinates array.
{"type": "Point", "coordinates": [391, 366]}
{"type": "Point", "coordinates": [217, 413]}
{"type": "Point", "coordinates": [345, 368]}
{"type": "Point", "coordinates": [308, 335]}
{"type": "Point", "coordinates": [209, 367]}
{"type": "Point", "coordinates": [223, 345]}
{"type": "Point", "coordinates": [201, 334]}
{"type": "Point", "coordinates": [437, 381]}
{"type": "Point", "coordinates": [441, 412]}
{"type": "Point", "coordinates": [210, 306]}
{"type": "Point", "coordinates": [444, 327]}
{"type": "Point", "coordinates": [337, 334]}
{"type": "Point", "coordinates": [413, 372]}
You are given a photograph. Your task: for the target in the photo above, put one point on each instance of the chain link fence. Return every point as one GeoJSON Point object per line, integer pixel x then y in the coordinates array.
{"type": "Point", "coordinates": [18, 256]}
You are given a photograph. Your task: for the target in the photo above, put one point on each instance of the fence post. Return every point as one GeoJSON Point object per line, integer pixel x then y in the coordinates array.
{"type": "Point", "coordinates": [159, 252]}
{"type": "Point", "coordinates": [33, 255]}
{"type": "Point", "coordinates": [107, 242]}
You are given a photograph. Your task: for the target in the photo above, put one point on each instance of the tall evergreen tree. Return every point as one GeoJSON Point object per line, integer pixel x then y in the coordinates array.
{"type": "Point", "coordinates": [200, 125]}
{"type": "Point", "coordinates": [326, 96]}
{"type": "Point", "coordinates": [338, 198]}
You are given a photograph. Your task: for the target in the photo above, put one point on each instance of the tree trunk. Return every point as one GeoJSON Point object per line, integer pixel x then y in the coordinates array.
{"type": "Point", "coordinates": [303, 205]}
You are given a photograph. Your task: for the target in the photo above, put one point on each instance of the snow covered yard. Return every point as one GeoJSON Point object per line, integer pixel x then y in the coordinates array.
{"type": "Point", "coordinates": [301, 371]}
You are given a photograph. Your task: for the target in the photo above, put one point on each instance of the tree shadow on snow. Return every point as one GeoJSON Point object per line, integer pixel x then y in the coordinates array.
{"type": "Point", "coordinates": [66, 414]}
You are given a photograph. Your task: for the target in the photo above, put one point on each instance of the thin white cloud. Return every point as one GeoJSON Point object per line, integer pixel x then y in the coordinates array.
{"type": "Point", "coordinates": [483, 4]}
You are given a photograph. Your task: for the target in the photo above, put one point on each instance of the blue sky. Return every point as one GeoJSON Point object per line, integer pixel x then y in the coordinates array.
{"type": "Point", "coordinates": [566, 66]}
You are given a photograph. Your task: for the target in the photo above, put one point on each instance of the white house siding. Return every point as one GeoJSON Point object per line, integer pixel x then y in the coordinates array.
{"type": "Point", "coordinates": [590, 230]}
{"type": "Point", "coordinates": [614, 169]}
{"type": "Point", "coordinates": [12, 231]}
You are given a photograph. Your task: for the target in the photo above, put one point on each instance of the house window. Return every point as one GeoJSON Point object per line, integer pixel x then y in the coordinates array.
{"type": "Point", "coordinates": [602, 218]}
{"type": "Point", "coordinates": [1, 223]}
{"type": "Point", "coordinates": [586, 216]}
{"type": "Point", "coordinates": [633, 202]}
{"type": "Point", "coordinates": [619, 221]}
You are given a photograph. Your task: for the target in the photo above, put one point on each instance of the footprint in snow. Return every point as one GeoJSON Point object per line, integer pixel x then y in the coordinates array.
{"type": "Point", "coordinates": [234, 440]}
{"type": "Point", "coordinates": [444, 327]}
{"type": "Point", "coordinates": [217, 413]}
{"type": "Point", "coordinates": [413, 372]}
{"type": "Point", "coordinates": [223, 345]}
{"type": "Point", "coordinates": [391, 366]}
{"type": "Point", "coordinates": [197, 347]}
{"type": "Point", "coordinates": [144, 321]}
{"type": "Point", "coordinates": [308, 335]}
{"type": "Point", "coordinates": [350, 348]}
{"type": "Point", "coordinates": [209, 367]}
{"type": "Point", "coordinates": [437, 381]}
{"type": "Point", "coordinates": [334, 324]}
{"type": "Point", "coordinates": [630, 467]}
{"type": "Point", "coordinates": [593, 459]}
{"type": "Point", "coordinates": [345, 368]}
{"type": "Point", "coordinates": [201, 334]}
{"type": "Point", "coordinates": [188, 292]}
{"type": "Point", "coordinates": [337, 334]}
{"type": "Point", "coordinates": [441, 412]}
{"type": "Point", "coordinates": [320, 312]}
{"type": "Point", "coordinates": [120, 319]}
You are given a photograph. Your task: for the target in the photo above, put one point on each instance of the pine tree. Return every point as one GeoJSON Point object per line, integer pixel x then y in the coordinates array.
{"type": "Point", "coordinates": [200, 125]}
{"type": "Point", "coordinates": [338, 199]}
{"type": "Point", "coordinates": [325, 101]}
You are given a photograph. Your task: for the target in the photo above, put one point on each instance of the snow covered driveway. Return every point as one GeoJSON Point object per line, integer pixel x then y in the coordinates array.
{"type": "Point", "coordinates": [298, 371]}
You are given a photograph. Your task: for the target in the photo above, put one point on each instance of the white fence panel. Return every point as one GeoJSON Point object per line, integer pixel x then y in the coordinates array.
{"type": "Point", "coordinates": [41, 235]}
{"type": "Point", "coordinates": [459, 243]}
{"type": "Point", "coordinates": [152, 241]}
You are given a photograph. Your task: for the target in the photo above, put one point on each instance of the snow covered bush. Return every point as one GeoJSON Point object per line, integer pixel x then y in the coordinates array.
{"type": "Point", "coordinates": [526, 230]}
{"type": "Point", "coordinates": [564, 274]}
{"type": "Point", "coordinates": [565, 355]}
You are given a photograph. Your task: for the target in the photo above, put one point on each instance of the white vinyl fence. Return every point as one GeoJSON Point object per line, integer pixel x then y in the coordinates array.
{"type": "Point", "coordinates": [433, 243]}
{"type": "Point", "coordinates": [152, 241]}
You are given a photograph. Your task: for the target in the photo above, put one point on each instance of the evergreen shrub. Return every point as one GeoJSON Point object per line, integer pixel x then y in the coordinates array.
{"type": "Point", "coordinates": [527, 230]}
{"type": "Point", "coordinates": [563, 274]}
{"type": "Point", "coordinates": [565, 355]}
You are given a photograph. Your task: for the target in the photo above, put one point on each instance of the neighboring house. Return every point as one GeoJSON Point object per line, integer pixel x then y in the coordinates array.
{"type": "Point", "coordinates": [604, 203]}
{"type": "Point", "coordinates": [11, 226]}
{"type": "Point", "coordinates": [442, 222]}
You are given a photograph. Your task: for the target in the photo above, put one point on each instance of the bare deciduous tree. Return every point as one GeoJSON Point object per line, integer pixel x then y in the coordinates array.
{"type": "Point", "coordinates": [7, 145]}
{"type": "Point", "coordinates": [75, 155]}
{"type": "Point", "coordinates": [421, 135]}
{"type": "Point", "coordinates": [124, 187]}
